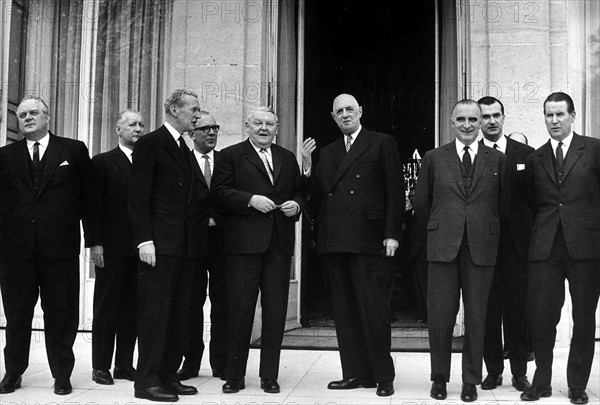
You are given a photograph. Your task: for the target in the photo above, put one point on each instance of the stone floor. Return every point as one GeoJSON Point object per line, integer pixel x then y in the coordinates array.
{"type": "Point", "coordinates": [304, 375]}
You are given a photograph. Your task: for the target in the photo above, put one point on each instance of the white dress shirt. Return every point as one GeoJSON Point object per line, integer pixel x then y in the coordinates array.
{"type": "Point", "coordinates": [501, 142]}
{"type": "Point", "coordinates": [43, 145]}
{"type": "Point", "coordinates": [565, 144]}
{"type": "Point", "coordinates": [473, 148]}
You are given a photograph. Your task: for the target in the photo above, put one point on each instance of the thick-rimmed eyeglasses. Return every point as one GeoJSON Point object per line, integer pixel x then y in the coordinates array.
{"type": "Point", "coordinates": [207, 128]}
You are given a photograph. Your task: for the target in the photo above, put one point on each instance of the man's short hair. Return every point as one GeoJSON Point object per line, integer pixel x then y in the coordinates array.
{"type": "Point", "coordinates": [175, 98]}
{"type": "Point", "coordinates": [122, 113]}
{"type": "Point", "coordinates": [559, 96]}
{"type": "Point", "coordinates": [466, 101]}
{"type": "Point", "coordinates": [262, 108]}
{"type": "Point", "coordinates": [39, 100]}
{"type": "Point", "coordinates": [489, 100]}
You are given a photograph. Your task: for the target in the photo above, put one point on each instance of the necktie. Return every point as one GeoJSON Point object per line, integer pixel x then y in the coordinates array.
{"type": "Point", "coordinates": [36, 152]}
{"type": "Point", "coordinates": [560, 159]}
{"type": "Point", "coordinates": [466, 159]}
{"type": "Point", "coordinates": [182, 145]}
{"type": "Point", "coordinates": [348, 143]}
{"type": "Point", "coordinates": [263, 156]}
{"type": "Point", "coordinates": [207, 173]}
{"type": "Point", "coordinates": [496, 146]}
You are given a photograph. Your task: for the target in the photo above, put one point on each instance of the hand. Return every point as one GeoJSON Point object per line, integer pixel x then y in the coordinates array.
{"type": "Point", "coordinates": [261, 203]}
{"type": "Point", "coordinates": [148, 254]}
{"type": "Point", "coordinates": [97, 255]}
{"type": "Point", "coordinates": [290, 208]}
{"type": "Point", "coordinates": [308, 147]}
{"type": "Point", "coordinates": [390, 245]}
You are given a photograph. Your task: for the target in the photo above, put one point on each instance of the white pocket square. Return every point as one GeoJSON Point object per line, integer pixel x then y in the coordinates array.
{"type": "Point", "coordinates": [520, 166]}
{"type": "Point", "coordinates": [65, 163]}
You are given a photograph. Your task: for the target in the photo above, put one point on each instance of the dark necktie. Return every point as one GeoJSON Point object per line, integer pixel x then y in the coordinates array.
{"type": "Point", "coordinates": [496, 146]}
{"type": "Point", "coordinates": [348, 143]}
{"type": "Point", "coordinates": [207, 173]}
{"type": "Point", "coordinates": [36, 153]}
{"type": "Point", "coordinates": [182, 145]}
{"type": "Point", "coordinates": [466, 159]}
{"type": "Point", "coordinates": [560, 159]}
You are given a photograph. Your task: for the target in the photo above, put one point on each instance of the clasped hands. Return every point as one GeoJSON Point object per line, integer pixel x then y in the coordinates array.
{"type": "Point", "coordinates": [264, 204]}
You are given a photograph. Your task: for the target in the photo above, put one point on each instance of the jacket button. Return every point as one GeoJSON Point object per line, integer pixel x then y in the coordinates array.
{"type": "Point", "coordinates": [351, 191]}
{"type": "Point", "coordinates": [358, 176]}
{"type": "Point", "coordinates": [330, 194]}
{"type": "Point", "coordinates": [180, 183]}
{"type": "Point", "coordinates": [33, 221]}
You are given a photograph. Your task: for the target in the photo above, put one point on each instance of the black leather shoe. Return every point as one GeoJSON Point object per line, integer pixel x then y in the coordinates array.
{"type": "Point", "coordinates": [578, 397]}
{"type": "Point", "coordinates": [102, 377]}
{"type": "Point", "coordinates": [438, 390]}
{"type": "Point", "coordinates": [124, 373]}
{"type": "Point", "coordinates": [222, 374]}
{"type": "Point", "coordinates": [385, 388]}
{"type": "Point", "coordinates": [233, 386]}
{"type": "Point", "coordinates": [187, 373]}
{"type": "Point", "coordinates": [157, 394]}
{"type": "Point", "coordinates": [491, 382]}
{"type": "Point", "coordinates": [520, 382]}
{"type": "Point", "coordinates": [10, 383]}
{"type": "Point", "coordinates": [351, 383]}
{"type": "Point", "coordinates": [535, 393]}
{"type": "Point", "coordinates": [468, 393]}
{"type": "Point", "coordinates": [62, 386]}
{"type": "Point", "coordinates": [178, 388]}
{"type": "Point", "coordinates": [269, 385]}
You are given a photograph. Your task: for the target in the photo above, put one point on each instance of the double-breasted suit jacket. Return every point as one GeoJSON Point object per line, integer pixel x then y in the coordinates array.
{"type": "Point", "coordinates": [40, 247]}
{"type": "Point", "coordinates": [565, 243]}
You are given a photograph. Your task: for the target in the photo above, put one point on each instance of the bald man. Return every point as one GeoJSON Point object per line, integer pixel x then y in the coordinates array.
{"type": "Point", "coordinates": [361, 181]}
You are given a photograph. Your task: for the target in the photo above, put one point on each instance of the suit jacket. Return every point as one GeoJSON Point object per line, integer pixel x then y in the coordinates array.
{"type": "Point", "coordinates": [240, 174]}
{"type": "Point", "coordinates": [443, 206]}
{"type": "Point", "coordinates": [109, 223]}
{"type": "Point", "coordinates": [575, 203]}
{"type": "Point", "coordinates": [362, 194]}
{"type": "Point", "coordinates": [518, 225]}
{"type": "Point", "coordinates": [50, 218]}
{"type": "Point", "coordinates": [166, 203]}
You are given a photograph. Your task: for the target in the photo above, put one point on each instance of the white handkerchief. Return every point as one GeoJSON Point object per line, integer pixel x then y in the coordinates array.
{"type": "Point", "coordinates": [520, 166]}
{"type": "Point", "coordinates": [65, 163]}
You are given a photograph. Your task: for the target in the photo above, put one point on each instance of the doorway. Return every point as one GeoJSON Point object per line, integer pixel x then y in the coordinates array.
{"type": "Point", "coordinates": [384, 55]}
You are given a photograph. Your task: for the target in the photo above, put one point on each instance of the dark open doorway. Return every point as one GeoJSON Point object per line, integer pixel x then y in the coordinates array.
{"type": "Point", "coordinates": [384, 54]}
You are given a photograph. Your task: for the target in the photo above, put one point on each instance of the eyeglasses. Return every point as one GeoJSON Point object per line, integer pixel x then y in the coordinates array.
{"type": "Point", "coordinates": [207, 128]}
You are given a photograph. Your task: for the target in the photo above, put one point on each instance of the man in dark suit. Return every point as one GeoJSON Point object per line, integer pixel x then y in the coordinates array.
{"type": "Point", "coordinates": [563, 177]}
{"type": "Point", "coordinates": [205, 139]}
{"type": "Point", "coordinates": [258, 185]}
{"type": "Point", "coordinates": [360, 179]}
{"type": "Point", "coordinates": [507, 302]}
{"type": "Point", "coordinates": [167, 210]}
{"type": "Point", "coordinates": [115, 257]}
{"type": "Point", "coordinates": [45, 184]}
{"type": "Point", "coordinates": [462, 197]}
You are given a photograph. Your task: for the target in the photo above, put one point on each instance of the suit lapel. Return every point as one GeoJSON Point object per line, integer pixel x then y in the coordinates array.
{"type": "Point", "coordinates": [173, 148]}
{"type": "Point", "coordinates": [277, 163]}
{"type": "Point", "coordinates": [480, 162]}
{"type": "Point", "coordinates": [251, 155]}
{"type": "Point", "coordinates": [453, 164]}
{"type": "Point", "coordinates": [545, 156]}
{"type": "Point", "coordinates": [122, 162]}
{"type": "Point", "coordinates": [52, 156]}
{"type": "Point", "coordinates": [360, 145]}
{"type": "Point", "coordinates": [575, 151]}
{"type": "Point", "coordinates": [22, 161]}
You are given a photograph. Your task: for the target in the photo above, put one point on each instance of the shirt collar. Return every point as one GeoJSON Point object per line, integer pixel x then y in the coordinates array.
{"type": "Point", "coordinates": [501, 142]}
{"type": "Point", "coordinates": [211, 154]}
{"type": "Point", "coordinates": [474, 147]}
{"type": "Point", "coordinates": [128, 152]}
{"type": "Point", "coordinates": [43, 142]}
{"type": "Point", "coordinates": [354, 135]}
{"type": "Point", "coordinates": [174, 133]}
{"type": "Point", "coordinates": [257, 149]}
{"type": "Point", "coordinates": [566, 142]}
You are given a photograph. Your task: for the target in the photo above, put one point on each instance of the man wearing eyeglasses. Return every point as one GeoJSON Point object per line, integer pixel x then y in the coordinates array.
{"type": "Point", "coordinates": [205, 139]}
